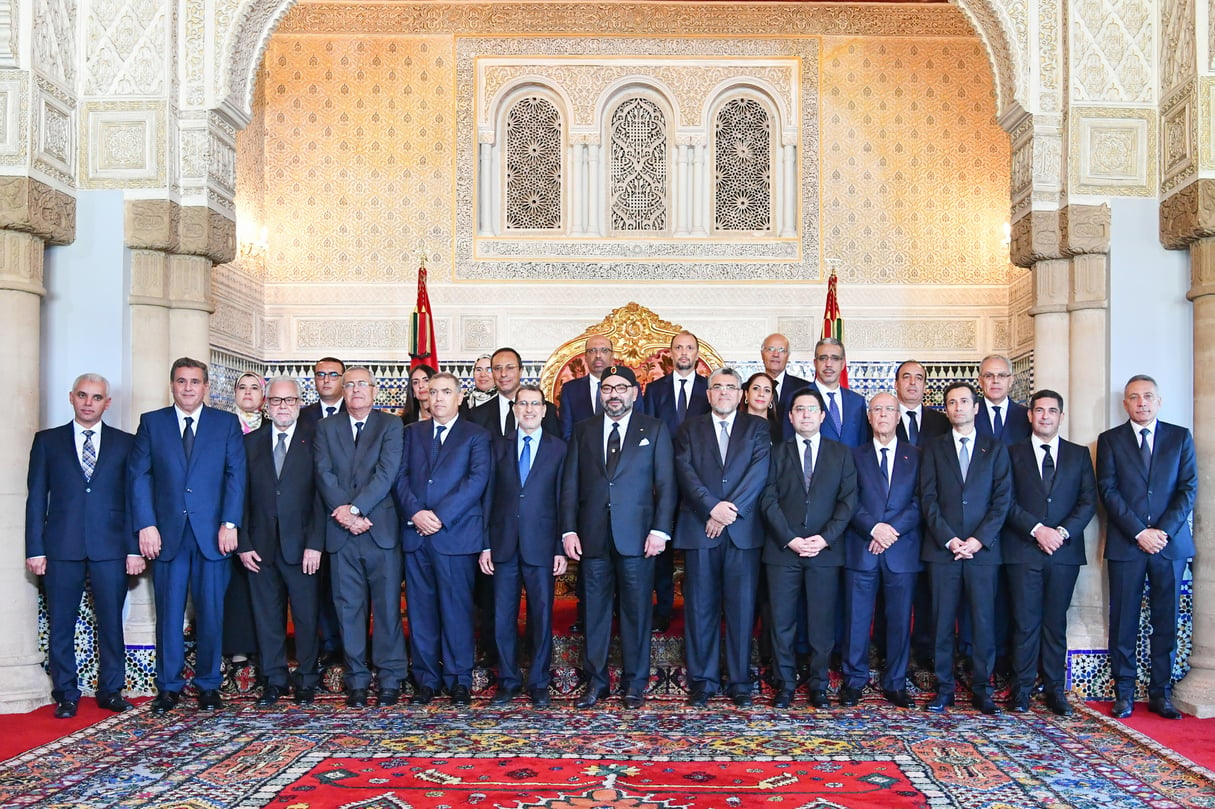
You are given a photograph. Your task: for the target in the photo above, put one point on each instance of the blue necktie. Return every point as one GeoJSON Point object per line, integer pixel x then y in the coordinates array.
{"type": "Point", "coordinates": [681, 406]}
{"type": "Point", "coordinates": [525, 459]}
{"type": "Point", "coordinates": [834, 410]}
{"type": "Point", "coordinates": [187, 437]}
{"type": "Point", "coordinates": [436, 445]}
{"type": "Point", "coordinates": [997, 423]}
{"type": "Point", "coordinates": [913, 429]}
{"type": "Point", "coordinates": [885, 467]}
{"type": "Point", "coordinates": [1145, 450]}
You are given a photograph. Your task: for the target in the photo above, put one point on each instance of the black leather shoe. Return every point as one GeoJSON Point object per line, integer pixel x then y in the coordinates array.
{"type": "Point", "coordinates": [1122, 708]}
{"type": "Point", "coordinates": [165, 701]}
{"type": "Point", "coordinates": [388, 696]}
{"type": "Point", "coordinates": [633, 699]}
{"type": "Point", "coordinates": [1163, 707]}
{"type": "Point", "coordinates": [698, 699]}
{"type": "Point", "coordinates": [209, 700]}
{"type": "Point", "coordinates": [270, 695]}
{"type": "Point", "coordinates": [1019, 703]}
{"type": "Point", "coordinates": [422, 695]}
{"type": "Point", "coordinates": [741, 697]}
{"type": "Point", "coordinates": [356, 698]}
{"type": "Point", "coordinates": [1058, 704]}
{"type": "Point", "coordinates": [540, 697]}
{"type": "Point", "coordinates": [591, 698]}
{"type": "Point", "coordinates": [783, 698]}
{"type": "Point", "coordinates": [66, 708]}
{"type": "Point", "coordinates": [850, 697]}
{"type": "Point", "coordinates": [460, 695]}
{"type": "Point", "coordinates": [898, 697]}
{"type": "Point", "coordinates": [662, 623]}
{"type": "Point", "coordinates": [939, 703]}
{"type": "Point", "coordinates": [985, 705]}
{"type": "Point", "coordinates": [305, 696]}
{"type": "Point", "coordinates": [113, 702]}
{"type": "Point", "coordinates": [505, 696]}
{"type": "Point", "coordinates": [818, 699]}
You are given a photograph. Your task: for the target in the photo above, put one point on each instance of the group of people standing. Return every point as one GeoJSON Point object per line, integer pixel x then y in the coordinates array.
{"type": "Point", "coordinates": [791, 499]}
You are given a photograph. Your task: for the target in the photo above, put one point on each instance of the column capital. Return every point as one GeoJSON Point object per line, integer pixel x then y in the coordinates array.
{"type": "Point", "coordinates": [1084, 229]}
{"type": "Point", "coordinates": [1052, 286]}
{"type": "Point", "coordinates": [1202, 268]}
{"type": "Point", "coordinates": [21, 262]}
{"type": "Point", "coordinates": [162, 224]}
{"type": "Point", "coordinates": [1188, 215]}
{"type": "Point", "coordinates": [34, 207]}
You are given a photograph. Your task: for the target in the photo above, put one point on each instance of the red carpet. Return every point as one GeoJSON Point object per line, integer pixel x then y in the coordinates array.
{"type": "Point", "coordinates": [27, 731]}
{"type": "Point", "coordinates": [1190, 737]}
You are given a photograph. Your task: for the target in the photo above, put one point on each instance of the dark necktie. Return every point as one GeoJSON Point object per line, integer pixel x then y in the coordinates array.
{"type": "Point", "coordinates": [997, 423]}
{"type": "Point", "coordinates": [1145, 449]}
{"type": "Point", "coordinates": [525, 459]}
{"type": "Point", "coordinates": [808, 461]}
{"type": "Point", "coordinates": [834, 410]}
{"type": "Point", "coordinates": [913, 428]}
{"type": "Point", "coordinates": [187, 437]}
{"type": "Point", "coordinates": [1048, 468]}
{"type": "Point", "coordinates": [358, 433]}
{"type": "Point", "coordinates": [598, 397]}
{"type": "Point", "coordinates": [681, 406]}
{"type": "Point", "coordinates": [88, 455]}
{"type": "Point", "coordinates": [885, 467]}
{"type": "Point", "coordinates": [280, 454]}
{"type": "Point", "coordinates": [964, 458]}
{"type": "Point", "coordinates": [330, 410]}
{"type": "Point", "coordinates": [510, 418]}
{"type": "Point", "coordinates": [613, 449]}
{"type": "Point", "coordinates": [436, 445]}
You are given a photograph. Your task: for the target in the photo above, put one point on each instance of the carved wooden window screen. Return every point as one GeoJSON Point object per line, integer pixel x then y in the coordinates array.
{"type": "Point", "coordinates": [742, 179]}
{"type": "Point", "coordinates": [639, 167]}
{"type": "Point", "coordinates": [534, 182]}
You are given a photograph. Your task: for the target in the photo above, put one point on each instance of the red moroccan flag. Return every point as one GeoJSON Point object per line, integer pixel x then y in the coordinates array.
{"type": "Point", "coordinates": [422, 349]}
{"type": "Point", "coordinates": [833, 324]}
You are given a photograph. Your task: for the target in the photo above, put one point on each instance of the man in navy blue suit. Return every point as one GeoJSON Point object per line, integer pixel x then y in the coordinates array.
{"type": "Point", "coordinates": [846, 421]}
{"type": "Point", "coordinates": [965, 494]}
{"type": "Point", "coordinates": [721, 463]}
{"type": "Point", "coordinates": [441, 490]}
{"type": "Point", "coordinates": [77, 526]}
{"type": "Point", "coordinates": [999, 415]}
{"type": "Point", "coordinates": [882, 554]}
{"type": "Point", "coordinates": [1147, 477]}
{"type": "Point", "coordinates": [775, 355]}
{"type": "Point", "coordinates": [187, 479]}
{"type": "Point", "coordinates": [580, 399]}
{"type": "Point", "coordinates": [618, 496]}
{"type": "Point", "coordinates": [678, 396]}
{"type": "Point", "coordinates": [1054, 498]}
{"type": "Point", "coordinates": [524, 545]}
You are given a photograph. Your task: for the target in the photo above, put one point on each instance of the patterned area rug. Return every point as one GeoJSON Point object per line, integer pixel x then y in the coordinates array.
{"type": "Point", "coordinates": [662, 757]}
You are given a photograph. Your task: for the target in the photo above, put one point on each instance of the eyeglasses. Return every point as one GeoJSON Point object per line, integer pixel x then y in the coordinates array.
{"type": "Point", "coordinates": [275, 401]}
{"type": "Point", "coordinates": [607, 351]}
{"type": "Point", "coordinates": [615, 388]}
{"type": "Point", "coordinates": [884, 409]}
{"type": "Point", "coordinates": [720, 388]}
{"type": "Point", "coordinates": [500, 368]}
{"type": "Point", "coordinates": [830, 358]}
{"type": "Point", "coordinates": [525, 405]}
{"type": "Point", "coordinates": [358, 383]}
{"type": "Point", "coordinates": [991, 375]}
{"type": "Point", "coordinates": [328, 374]}
{"type": "Point", "coordinates": [775, 350]}
{"type": "Point", "coordinates": [803, 409]}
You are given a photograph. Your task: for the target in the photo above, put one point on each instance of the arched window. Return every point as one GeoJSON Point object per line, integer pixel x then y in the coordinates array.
{"type": "Point", "coordinates": [742, 163]}
{"type": "Point", "coordinates": [639, 167]}
{"type": "Point", "coordinates": [534, 181]}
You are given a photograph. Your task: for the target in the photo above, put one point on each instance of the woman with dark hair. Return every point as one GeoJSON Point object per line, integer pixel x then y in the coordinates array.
{"type": "Point", "coordinates": [419, 394]}
{"type": "Point", "coordinates": [759, 399]}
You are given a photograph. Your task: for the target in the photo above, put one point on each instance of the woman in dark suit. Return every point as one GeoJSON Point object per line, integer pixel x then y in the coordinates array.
{"type": "Point", "coordinates": [759, 400]}
{"type": "Point", "coordinates": [418, 408]}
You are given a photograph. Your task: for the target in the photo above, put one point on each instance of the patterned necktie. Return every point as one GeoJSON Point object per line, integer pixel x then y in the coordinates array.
{"type": "Point", "coordinates": [187, 437]}
{"type": "Point", "coordinates": [510, 418]}
{"type": "Point", "coordinates": [723, 441]}
{"type": "Point", "coordinates": [613, 449]}
{"type": "Point", "coordinates": [1145, 449]}
{"type": "Point", "coordinates": [808, 462]}
{"type": "Point", "coordinates": [834, 410]}
{"type": "Point", "coordinates": [997, 423]}
{"type": "Point", "coordinates": [1048, 468]}
{"type": "Point", "coordinates": [436, 445]}
{"type": "Point", "coordinates": [681, 406]}
{"type": "Point", "coordinates": [358, 433]}
{"type": "Point", "coordinates": [280, 454]}
{"type": "Point", "coordinates": [964, 457]}
{"type": "Point", "coordinates": [913, 428]}
{"type": "Point", "coordinates": [330, 410]}
{"type": "Point", "coordinates": [88, 455]}
{"type": "Point", "coordinates": [525, 459]}
{"type": "Point", "coordinates": [885, 467]}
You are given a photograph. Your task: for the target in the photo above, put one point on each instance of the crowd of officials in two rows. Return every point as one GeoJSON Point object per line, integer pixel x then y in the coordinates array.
{"type": "Point", "coordinates": [791, 498]}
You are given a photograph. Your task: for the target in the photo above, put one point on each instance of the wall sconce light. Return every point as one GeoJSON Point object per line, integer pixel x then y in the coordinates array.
{"type": "Point", "coordinates": [250, 248]}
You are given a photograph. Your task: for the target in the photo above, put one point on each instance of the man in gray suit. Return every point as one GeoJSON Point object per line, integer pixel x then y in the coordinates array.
{"type": "Point", "coordinates": [358, 454]}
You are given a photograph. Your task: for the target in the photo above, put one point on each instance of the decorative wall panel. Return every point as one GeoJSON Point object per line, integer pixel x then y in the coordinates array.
{"type": "Point", "coordinates": [1112, 46]}
{"type": "Point", "coordinates": [126, 42]}
{"type": "Point", "coordinates": [1114, 151]}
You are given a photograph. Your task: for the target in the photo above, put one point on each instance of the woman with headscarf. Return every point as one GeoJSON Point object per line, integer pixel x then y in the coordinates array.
{"type": "Point", "coordinates": [483, 383]}
{"type": "Point", "coordinates": [250, 393]}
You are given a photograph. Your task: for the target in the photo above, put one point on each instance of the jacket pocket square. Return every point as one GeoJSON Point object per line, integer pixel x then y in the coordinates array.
{"type": "Point", "coordinates": [645, 442]}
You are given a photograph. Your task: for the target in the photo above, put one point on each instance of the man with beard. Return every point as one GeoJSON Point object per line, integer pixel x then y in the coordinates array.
{"type": "Point", "coordinates": [580, 397]}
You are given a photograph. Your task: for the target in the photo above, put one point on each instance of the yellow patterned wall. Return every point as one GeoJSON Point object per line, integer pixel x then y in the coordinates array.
{"type": "Point", "coordinates": [914, 165]}
{"type": "Point", "coordinates": [358, 151]}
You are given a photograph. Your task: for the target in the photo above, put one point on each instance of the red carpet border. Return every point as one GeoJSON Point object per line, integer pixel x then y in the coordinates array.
{"type": "Point", "coordinates": [662, 757]}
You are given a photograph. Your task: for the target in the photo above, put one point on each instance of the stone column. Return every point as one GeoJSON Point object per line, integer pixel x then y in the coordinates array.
{"type": "Point", "coordinates": [1052, 356]}
{"type": "Point", "coordinates": [190, 316]}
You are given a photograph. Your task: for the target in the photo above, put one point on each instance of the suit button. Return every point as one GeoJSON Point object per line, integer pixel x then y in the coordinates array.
{"type": "Point", "coordinates": [278, 493]}
{"type": "Point", "coordinates": [88, 491]}
{"type": "Point", "coordinates": [1050, 499]}
{"type": "Point", "coordinates": [189, 491]}
{"type": "Point", "coordinates": [964, 502]}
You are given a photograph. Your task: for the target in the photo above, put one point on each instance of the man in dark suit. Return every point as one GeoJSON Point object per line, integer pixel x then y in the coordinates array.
{"type": "Point", "coordinates": [999, 415]}
{"type": "Point", "coordinates": [965, 494]}
{"type": "Point", "coordinates": [187, 484]}
{"type": "Point", "coordinates": [441, 489]}
{"type": "Point", "coordinates": [618, 499]}
{"type": "Point", "coordinates": [357, 455]}
{"type": "Point", "coordinates": [498, 414]}
{"type": "Point", "coordinates": [580, 397]}
{"type": "Point", "coordinates": [1054, 498]}
{"type": "Point", "coordinates": [775, 355]}
{"type": "Point", "coordinates": [77, 526]}
{"type": "Point", "coordinates": [917, 423]}
{"type": "Point", "coordinates": [882, 554]}
{"type": "Point", "coordinates": [721, 463]}
{"type": "Point", "coordinates": [1147, 477]}
{"type": "Point", "coordinates": [679, 395]}
{"type": "Point", "coordinates": [524, 545]}
{"type": "Point", "coordinates": [807, 503]}
{"type": "Point", "coordinates": [327, 374]}
{"type": "Point", "coordinates": [846, 421]}
{"type": "Point", "coordinates": [281, 543]}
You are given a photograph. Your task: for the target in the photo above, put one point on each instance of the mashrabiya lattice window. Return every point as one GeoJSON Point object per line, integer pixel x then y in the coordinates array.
{"type": "Point", "coordinates": [534, 141]}
{"type": "Point", "coordinates": [742, 167]}
{"type": "Point", "coordinates": [639, 185]}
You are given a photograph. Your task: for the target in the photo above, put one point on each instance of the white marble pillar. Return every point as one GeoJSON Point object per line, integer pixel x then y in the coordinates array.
{"type": "Point", "coordinates": [594, 191]}
{"type": "Point", "coordinates": [1052, 290]}
{"type": "Point", "coordinates": [791, 195]}
{"type": "Point", "coordinates": [1196, 693]}
{"type": "Point", "coordinates": [485, 189]}
{"type": "Point", "coordinates": [578, 190]}
{"type": "Point", "coordinates": [23, 684]}
{"type": "Point", "coordinates": [700, 203]}
{"type": "Point", "coordinates": [683, 190]}
{"type": "Point", "coordinates": [190, 316]}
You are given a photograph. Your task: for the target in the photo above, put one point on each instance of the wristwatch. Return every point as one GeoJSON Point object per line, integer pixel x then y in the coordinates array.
{"type": "Point", "coordinates": [229, 525]}
{"type": "Point", "coordinates": [355, 510]}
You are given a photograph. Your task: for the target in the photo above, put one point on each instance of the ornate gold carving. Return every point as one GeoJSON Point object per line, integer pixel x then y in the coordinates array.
{"type": "Point", "coordinates": [34, 207]}
{"type": "Point", "coordinates": [1084, 229]}
{"type": "Point", "coordinates": [1113, 151]}
{"type": "Point", "coordinates": [1178, 133]}
{"type": "Point", "coordinates": [124, 144]}
{"type": "Point", "coordinates": [152, 224]}
{"type": "Point", "coordinates": [1188, 215]}
{"type": "Point", "coordinates": [1177, 43]}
